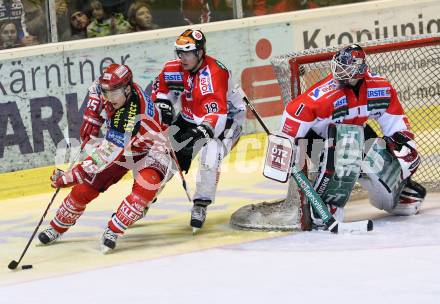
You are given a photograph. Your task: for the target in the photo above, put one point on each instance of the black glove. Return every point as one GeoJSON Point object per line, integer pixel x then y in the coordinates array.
{"type": "Point", "coordinates": [194, 135]}
{"type": "Point", "coordinates": [166, 110]}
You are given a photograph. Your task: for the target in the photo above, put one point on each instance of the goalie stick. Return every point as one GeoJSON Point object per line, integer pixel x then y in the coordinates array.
{"type": "Point", "coordinates": [315, 200]}
{"type": "Point", "coordinates": [13, 264]}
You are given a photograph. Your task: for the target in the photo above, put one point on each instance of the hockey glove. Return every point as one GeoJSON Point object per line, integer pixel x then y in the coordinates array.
{"type": "Point", "coordinates": [62, 179]}
{"type": "Point", "coordinates": [91, 125]}
{"type": "Point", "coordinates": [166, 110]}
{"type": "Point", "coordinates": [403, 147]}
{"type": "Point", "coordinates": [202, 132]}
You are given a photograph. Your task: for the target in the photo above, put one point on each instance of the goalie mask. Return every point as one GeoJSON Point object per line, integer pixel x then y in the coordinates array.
{"type": "Point", "coordinates": [349, 64]}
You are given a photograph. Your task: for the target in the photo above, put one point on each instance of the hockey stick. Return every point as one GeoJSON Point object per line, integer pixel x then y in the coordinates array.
{"type": "Point", "coordinates": [318, 205]}
{"type": "Point", "coordinates": [174, 157]}
{"type": "Point", "coordinates": [13, 264]}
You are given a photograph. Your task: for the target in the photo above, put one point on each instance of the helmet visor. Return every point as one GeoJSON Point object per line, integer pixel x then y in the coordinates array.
{"type": "Point", "coordinates": [180, 54]}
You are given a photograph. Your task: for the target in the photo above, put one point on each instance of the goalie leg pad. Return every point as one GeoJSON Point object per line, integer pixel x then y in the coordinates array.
{"type": "Point", "coordinates": [73, 207]}
{"type": "Point", "coordinates": [340, 164]}
{"type": "Point", "coordinates": [410, 199]}
{"type": "Point", "coordinates": [381, 176]}
{"type": "Point", "coordinates": [132, 207]}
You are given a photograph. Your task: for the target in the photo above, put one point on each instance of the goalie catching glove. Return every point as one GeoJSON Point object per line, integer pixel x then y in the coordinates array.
{"type": "Point", "coordinates": [403, 147]}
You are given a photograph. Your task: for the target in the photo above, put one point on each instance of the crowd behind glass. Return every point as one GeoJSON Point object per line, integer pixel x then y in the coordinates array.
{"type": "Point", "coordinates": [27, 22]}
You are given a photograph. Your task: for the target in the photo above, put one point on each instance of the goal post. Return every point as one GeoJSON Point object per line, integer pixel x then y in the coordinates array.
{"type": "Point", "coordinates": [411, 64]}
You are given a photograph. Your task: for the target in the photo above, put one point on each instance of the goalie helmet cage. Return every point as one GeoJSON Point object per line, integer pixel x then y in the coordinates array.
{"type": "Point", "coordinates": [411, 64]}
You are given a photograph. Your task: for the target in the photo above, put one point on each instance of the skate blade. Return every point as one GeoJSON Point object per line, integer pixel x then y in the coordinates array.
{"type": "Point", "coordinates": [105, 249]}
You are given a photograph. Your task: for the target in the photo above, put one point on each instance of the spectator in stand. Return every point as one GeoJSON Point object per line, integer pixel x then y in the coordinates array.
{"type": "Point", "coordinates": [63, 15]}
{"type": "Point", "coordinates": [264, 7]}
{"type": "Point", "coordinates": [106, 19]}
{"type": "Point", "coordinates": [79, 22]}
{"type": "Point", "coordinates": [221, 10]}
{"type": "Point", "coordinates": [196, 11]}
{"type": "Point", "coordinates": [166, 13]}
{"type": "Point", "coordinates": [9, 36]}
{"type": "Point", "coordinates": [36, 21]}
{"type": "Point", "coordinates": [321, 3]}
{"type": "Point", "coordinates": [13, 11]}
{"type": "Point", "coordinates": [140, 18]}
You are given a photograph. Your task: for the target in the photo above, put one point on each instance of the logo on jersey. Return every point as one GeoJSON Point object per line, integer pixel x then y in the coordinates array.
{"type": "Point", "coordinates": [115, 137]}
{"type": "Point", "coordinates": [205, 81]}
{"type": "Point", "coordinates": [291, 127]}
{"type": "Point", "coordinates": [379, 93]}
{"type": "Point", "coordinates": [340, 102]}
{"type": "Point", "coordinates": [340, 108]}
{"type": "Point", "coordinates": [149, 109]}
{"type": "Point", "coordinates": [172, 76]}
{"type": "Point", "coordinates": [320, 91]}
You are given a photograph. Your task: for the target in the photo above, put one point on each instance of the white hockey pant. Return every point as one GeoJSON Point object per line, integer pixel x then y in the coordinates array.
{"type": "Point", "coordinates": [210, 159]}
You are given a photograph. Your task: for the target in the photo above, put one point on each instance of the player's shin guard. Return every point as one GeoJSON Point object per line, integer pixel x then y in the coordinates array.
{"type": "Point", "coordinates": [208, 174]}
{"type": "Point", "coordinates": [129, 211]}
{"type": "Point", "coordinates": [73, 207]}
{"type": "Point", "coordinates": [132, 207]}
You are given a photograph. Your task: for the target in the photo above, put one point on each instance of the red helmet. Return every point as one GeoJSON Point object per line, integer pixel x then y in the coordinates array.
{"type": "Point", "coordinates": [115, 76]}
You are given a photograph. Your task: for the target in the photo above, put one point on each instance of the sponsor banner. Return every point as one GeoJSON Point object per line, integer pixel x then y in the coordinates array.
{"type": "Point", "coordinates": [43, 94]}
{"type": "Point", "coordinates": [364, 22]}
{"type": "Point", "coordinates": [43, 88]}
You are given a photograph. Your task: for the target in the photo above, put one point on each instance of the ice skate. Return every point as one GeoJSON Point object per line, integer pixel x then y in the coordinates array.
{"type": "Point", "coordinates": [198, 216]}
{"type": "Point", "coordinates": [108, 240]}
{"type": "Point", "coordinates": [48, 236]}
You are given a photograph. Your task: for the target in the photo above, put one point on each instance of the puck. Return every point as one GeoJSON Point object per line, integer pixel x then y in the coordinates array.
{"type": "Point", "coordinates": [26, 267]}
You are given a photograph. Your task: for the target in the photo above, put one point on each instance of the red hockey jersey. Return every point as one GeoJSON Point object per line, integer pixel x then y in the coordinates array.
{"type": "Point", "coordinates": [134, 129]}
{"type": "Point", "coordinates": [325, 103]}
{"type": "Point", "coordinates": [204, 94]}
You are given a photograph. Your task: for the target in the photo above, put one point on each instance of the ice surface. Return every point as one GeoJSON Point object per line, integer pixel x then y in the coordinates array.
{"type": "Point", "coordinates": [399, 262]}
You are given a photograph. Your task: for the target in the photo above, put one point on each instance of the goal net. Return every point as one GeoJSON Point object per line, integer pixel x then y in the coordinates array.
{"type": "Point", "coordinates": [411, 64]}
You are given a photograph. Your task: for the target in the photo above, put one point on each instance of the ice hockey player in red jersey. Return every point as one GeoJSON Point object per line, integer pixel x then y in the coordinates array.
{"type": "Point", "coordinates": [336, 108]}
{"type": "Point", "coordinates": [211, 114]}
{"type": "Point", "coordinates": [133, 141]}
